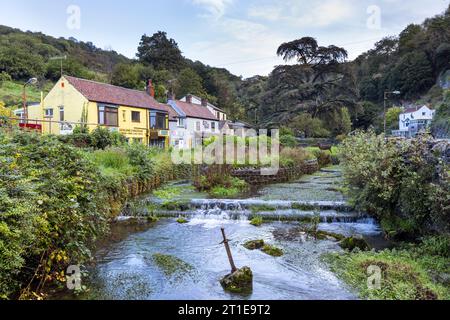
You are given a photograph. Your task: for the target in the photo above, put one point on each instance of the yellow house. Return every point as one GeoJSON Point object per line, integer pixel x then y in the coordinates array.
{"type": "Point", "coordinates": [74, 101]}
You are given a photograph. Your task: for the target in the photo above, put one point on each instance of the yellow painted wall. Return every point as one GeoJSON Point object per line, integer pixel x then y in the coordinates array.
{"type": "Point", "coordinates": [130, 129]}
{"type": "Point", "coordinates": [68, 97]}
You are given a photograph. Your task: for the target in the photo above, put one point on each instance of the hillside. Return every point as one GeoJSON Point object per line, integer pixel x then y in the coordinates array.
{"type": "Point", "coordinates": [343, 96]}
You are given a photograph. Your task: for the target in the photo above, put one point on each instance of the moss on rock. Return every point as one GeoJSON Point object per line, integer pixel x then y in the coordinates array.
{"type": "Point", "coordinates": [182, 220]}
{"type": "Point", "coordinates": [257, 221]}
{"type": "Point", "coordinates": [254, 244]}
{"type": "Point", "coordinates": [272, 251]}
{"type": "Point", "coordinates": [240, 282]}
{"type": "Point", "coordinates": [352, 243]}
{"type": "Point", "coordinates": [152, 219]}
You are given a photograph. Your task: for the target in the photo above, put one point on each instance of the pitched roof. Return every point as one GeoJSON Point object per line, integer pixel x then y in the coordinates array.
{"type": "Point", "coordinates": [193, 110]}
{"type": "Point", "coordinates": [413, 109]}
{"type": "Point", "coordinates": [107, 93]}
{"type": "Point", "coordinates": [209, 103]}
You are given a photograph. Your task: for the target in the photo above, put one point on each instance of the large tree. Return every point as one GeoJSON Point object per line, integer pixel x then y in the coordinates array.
{"type": "Point", "coordinates": [160, 52]}
{"type": "Point", "coordinates": [317, 84]}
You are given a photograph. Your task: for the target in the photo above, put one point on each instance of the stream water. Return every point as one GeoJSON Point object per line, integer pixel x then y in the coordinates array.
{"type": "Point", "coordinates": [126, 268]}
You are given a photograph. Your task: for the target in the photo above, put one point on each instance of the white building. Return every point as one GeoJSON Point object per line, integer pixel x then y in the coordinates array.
{"type": "Point", "coordinates": [414, 120]}
{"type": "Point", "coordinates": [190, 123]}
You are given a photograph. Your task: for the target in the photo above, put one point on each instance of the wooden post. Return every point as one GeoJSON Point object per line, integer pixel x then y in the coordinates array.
{"type": "Point", "coordinates": [227, 247]}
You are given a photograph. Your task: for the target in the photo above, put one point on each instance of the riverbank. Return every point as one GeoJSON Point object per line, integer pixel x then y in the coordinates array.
{"type": "Point", "coordinates": [57, 200]}
{"type": "Point", "coordinates": [405, 185]}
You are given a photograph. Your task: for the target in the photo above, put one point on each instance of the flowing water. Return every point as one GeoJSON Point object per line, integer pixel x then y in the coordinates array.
{"type": "Point", "coordinates": [127, 268]}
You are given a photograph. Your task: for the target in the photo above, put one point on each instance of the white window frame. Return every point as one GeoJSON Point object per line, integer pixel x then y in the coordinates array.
{"type": "Point", "coordinates": [48, 113]}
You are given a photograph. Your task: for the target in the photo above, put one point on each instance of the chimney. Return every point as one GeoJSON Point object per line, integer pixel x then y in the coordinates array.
{"type": "Point", "coordinates": [170, 96]}
{"type": "Point", "coordinates": [150, 89]}
{"type": "Point", "coordinates": [189, 98]}
{"type": "Point", "coordinates": [204, 102]}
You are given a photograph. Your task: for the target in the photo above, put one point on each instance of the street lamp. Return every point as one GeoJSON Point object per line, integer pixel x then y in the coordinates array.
{"type": "Point", "coordinates": [31, 81]}
{"type": "Point", "coordinates": [386, 93]}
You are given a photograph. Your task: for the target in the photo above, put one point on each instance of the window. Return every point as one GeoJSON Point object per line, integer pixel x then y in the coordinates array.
{"type": "Point", "coordinates": [181, 122]}
{"type": "Point", "coordinates": [49, 113]}
{"type": "Point", "coordinates": [424, 113]}
{"type": "Point", "coordinates": [135, 116]}
{"type": "Point", "coordinates": [108, 116]}
{"type": "Point", "coordinates": [61, 114]}
{"type": "Point", "coordinates": [213, 126]}
{"type": "Point", "coordinates": [159, 121]}
{"type": "Point", "coordinates": [198, 126]}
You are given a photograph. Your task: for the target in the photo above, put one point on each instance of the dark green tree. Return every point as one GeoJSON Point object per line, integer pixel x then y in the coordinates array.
{"type": "Point", "coordinates": [160, 52]}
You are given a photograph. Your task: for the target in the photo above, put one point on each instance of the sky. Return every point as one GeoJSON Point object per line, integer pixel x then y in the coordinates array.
{"type": "Point", "coordinates": [240, 35]}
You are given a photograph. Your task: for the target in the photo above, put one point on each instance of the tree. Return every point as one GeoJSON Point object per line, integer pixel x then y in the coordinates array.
{"type": "Point", "coordinates": [126, 75]}
{"type": "Point", "coordinates": [318, 84]}
{"type": "Point", "coordinates": [412, 75]}
{"type": "Point", "coordinates": [189, 82]}
{"type": "Point", "coordinates": [392, 118]}
{"type": "Point", "coordinates": [308, 126]}
{"type": "Point", "coordinates": [160, 52]}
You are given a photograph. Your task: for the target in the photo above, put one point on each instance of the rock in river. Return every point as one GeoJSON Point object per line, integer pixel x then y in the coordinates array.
{"type": "Point", "coordinates": [240, 281]}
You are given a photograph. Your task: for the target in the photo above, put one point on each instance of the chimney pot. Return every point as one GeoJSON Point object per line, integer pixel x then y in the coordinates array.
{"type": "Point", "coordinates": [150, 88]}
{"type": "Point", "coordinates": [204, 102]}
{"type": "Point", "coordinates": [189, 98]}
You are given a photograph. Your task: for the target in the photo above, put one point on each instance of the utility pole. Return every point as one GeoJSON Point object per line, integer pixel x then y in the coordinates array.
{"type": "Point", "coordinates": [61, 58]}
{"type": "Point", "coordinates": [386, 93]}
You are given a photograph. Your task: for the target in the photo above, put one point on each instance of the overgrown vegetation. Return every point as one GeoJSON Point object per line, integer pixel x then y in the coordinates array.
{"type": "Point", "coordinates": [414, 272]}
{"type": "Point", "coordinates": [56, 200]}
{"type": "Point", "coordinates": [403, 183]}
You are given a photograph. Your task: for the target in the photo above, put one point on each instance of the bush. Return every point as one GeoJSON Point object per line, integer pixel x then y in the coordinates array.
{"type": "Point", "coordinates": [323, 157]}
{"type": "Point", "coordinates": [403, 183]}
{"type": "Point", "coordinates": [294, 156]}
{"type": "Point", "coordinates": [52, 209]}
{"type": "Point", "coordinates": [288, 141]}
{"type": "Point", "coordinates": [4, 77]}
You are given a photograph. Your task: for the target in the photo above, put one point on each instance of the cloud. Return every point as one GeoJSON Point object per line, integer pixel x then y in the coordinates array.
{"type": "Point", "coordinates": [269, 13]}
{"type": "Point", "coordinates": [215, 8]}
{"type": "Point", "coordinates": [299, 13]}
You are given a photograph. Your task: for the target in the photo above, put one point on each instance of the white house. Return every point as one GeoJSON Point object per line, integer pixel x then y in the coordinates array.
{"type": "Point", "coordinates": [190, 123]}
{"type": "Point", "coordinates": [414, 120]}
{"type": "Point", "coordinates": [219, 113]}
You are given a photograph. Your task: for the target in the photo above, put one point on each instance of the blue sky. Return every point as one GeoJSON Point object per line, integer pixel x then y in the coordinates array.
{"type": "Point", "coordinates": [240, 35]}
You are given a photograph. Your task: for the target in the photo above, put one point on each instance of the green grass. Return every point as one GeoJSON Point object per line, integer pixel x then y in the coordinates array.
{"type": "Point", "coordinates": [408, 274]}
{"type": "Point", "coordinates": [167, 193]}
{"type": "Point", "coordinates": [223, 192]}
{"type": "Point", "coordinates": [112, 161]}
{"type": "Point", "coordinates": [11, 93]}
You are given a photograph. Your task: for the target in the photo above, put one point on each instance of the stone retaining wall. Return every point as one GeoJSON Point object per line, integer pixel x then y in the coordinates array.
{"type": "Point", "coordinates": [253, 176]}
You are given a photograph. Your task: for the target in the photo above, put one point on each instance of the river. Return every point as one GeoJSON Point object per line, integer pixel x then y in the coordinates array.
{"type": "Point", "coordinates": [125, 266]}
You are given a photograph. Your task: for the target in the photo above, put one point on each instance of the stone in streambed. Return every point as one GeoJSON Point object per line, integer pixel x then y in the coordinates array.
{"type": "Point", "coordinates": [254, 244]}
{"type": "Point", "coordinates": [272, 251]}
{"type": "Point", "coordinates": [352, 243]}
{"type": "Point", "coordinates": [240, 281]}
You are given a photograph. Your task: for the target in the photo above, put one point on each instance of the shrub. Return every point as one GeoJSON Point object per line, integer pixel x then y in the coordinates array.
{"type": "Point", "coordinates": [288, 141]}
{"type": "Point", "coordinates": [294, 156]}
{"type": "Point", "coordinates": [52, 209]}
{"type": "Point", "coordinates": [323, 157]}
{"type": "Point", "coordinates": [402, 183]}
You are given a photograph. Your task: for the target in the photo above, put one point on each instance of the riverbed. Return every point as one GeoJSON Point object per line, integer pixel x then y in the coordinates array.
{"type": "Point", "coordinates": [126, 268]}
